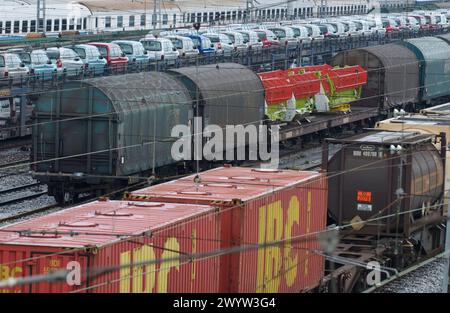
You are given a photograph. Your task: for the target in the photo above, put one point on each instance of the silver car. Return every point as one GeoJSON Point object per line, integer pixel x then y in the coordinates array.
{"type": "Point", "coordinates": [67, 61]}
{"type": "Point", "coordinates": [12, 70]}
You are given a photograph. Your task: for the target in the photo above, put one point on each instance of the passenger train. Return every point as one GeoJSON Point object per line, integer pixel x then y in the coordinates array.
{"type": "Point", "coordinates": [19, 17]}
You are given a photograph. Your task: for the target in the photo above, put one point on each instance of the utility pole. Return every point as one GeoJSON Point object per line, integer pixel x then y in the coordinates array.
{"type": "Point", "coordinates": [40, 15]}
{"type": "Point", "coordinates": [248, 10]}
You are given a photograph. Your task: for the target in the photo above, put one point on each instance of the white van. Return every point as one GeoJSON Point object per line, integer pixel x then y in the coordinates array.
{"type": "Point", "coordinates": [184, 45]}
{"type": "Point", "coordinates": [160, 49]}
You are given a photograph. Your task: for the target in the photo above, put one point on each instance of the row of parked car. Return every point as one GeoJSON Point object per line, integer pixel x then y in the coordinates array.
{"type": "Point", "coordinates": [19, 65]}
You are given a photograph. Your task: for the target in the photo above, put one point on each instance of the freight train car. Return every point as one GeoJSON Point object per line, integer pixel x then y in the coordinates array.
{"type": "Point", "coordinates": [262, 206]}
{"type": "Point", "coordinates": [433, 121]}
{"type": "Point", "coordinates": [413, 73]}
{"type": "Point", "coordinates": [199, 220]}
{"type": "Point", "coordinates": [104, 133]}
{"type": "Point", "coordinates": [389, 187]}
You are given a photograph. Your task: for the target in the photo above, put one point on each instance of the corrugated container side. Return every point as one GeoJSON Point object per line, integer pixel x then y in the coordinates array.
{"type": "Point", "coordinates": [269, 213]}
{"type": "Point", "coordinates": [292, 266]}
{"type": "Point", "coordinates": [200, 235]}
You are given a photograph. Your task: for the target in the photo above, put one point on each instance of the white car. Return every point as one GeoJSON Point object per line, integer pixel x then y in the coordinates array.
{"type": "Point", "coordinates": [251, 39]}
{"type": "Point", "coordinates": [284, 34]}
{"type": "Point", "coordinates": [237, 39]}
{"type": "Point", "coordinates": [67, 61]}
{"type": "Point", "coordinates": [184, 45]}
{"type": "Point", "coordinates": [221, 42]}
{"type": "Point", "coordinates": [301, 33]}
{"type": "Point", "coordinates": [160, 49]}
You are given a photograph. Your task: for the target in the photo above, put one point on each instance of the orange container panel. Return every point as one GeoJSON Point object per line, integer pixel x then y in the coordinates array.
{"type": "Point", "coordinates": [305, 85]}
{"type": "Point", "coordinates": [350, 77]}
{"type": "Point", "coordinates": [262, 206]}
{"type": "Point", "coordinates": [112, 233]}
{"type": "Point", "coordinates": [277, 90]}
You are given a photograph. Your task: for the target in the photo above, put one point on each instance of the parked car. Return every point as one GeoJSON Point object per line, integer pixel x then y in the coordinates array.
{"type": "Point", "coordinates": [284, 34]}
{"type": "Point", "coordinates": [135, 51]}
{"type": "Point", "coordinates": [94, 62]}
{"type": "Point", "coordinates": [300, 33]}
{"type": "Point", "coordinates": [314, 32]}
{"type": "Point", "coordinates": [237, 39]}
{"type": "Point", "coordinates": [40, 66]}
{"type": "Point", "coordinates": [12, 70]}
{"type": "Point", "coordinates": [67, 61]}
{"type": "Point", "coordinates": [267, 37]}
{"type": "Point", "coordinates": [252, 40]}
{"type": "Point", "coordinates": [222, 44]}
{"type": "Point", "coordinates": [203, 44]}
{"type": "Point", "coordinates": [160, 49]}
{"type": "Point", "coordinates": [184, 45]}
{"type": "Point", "coordinates": [115, 58]}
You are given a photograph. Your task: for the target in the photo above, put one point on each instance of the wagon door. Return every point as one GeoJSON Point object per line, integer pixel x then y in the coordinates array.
{"type": "Point", "coordinates": [47, 263]}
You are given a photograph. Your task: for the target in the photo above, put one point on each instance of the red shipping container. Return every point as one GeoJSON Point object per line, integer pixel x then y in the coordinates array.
{"type": "Point", "coordinates": [258, 207]}
{"type": "Point", "coordinates": [111, 233]}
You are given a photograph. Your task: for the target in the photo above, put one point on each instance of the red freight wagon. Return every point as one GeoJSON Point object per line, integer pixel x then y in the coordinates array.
{"type": "Point", "coordinates": [257, 207]}
{"type": "Point", "coordinates": [111, 233]}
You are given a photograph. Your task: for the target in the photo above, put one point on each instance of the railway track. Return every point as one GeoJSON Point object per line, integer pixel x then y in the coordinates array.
{"type": "Point", "coordinates": [20, 198]}
{"type": "Point", "coordinates": [27, 213]}
{"type": "Point", "coordinates": [15, 163]}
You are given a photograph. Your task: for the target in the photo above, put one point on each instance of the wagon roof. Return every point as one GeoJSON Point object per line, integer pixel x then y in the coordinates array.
{"type": "Point", "coordinates": [98, 223]}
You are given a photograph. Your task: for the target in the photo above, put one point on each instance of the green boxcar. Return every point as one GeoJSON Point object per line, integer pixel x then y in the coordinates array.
{"type": "Point", "coordinates": [434, 57]}
{"type": "Point", "coordinates": [104, 127]}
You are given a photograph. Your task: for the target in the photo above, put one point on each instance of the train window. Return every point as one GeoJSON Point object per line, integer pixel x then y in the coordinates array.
{"type": "Point", "coordinates": [16, 26]}
{"type": "Point", "coordinates": [131, 21]}
{"type": "Point", "coordinates": [154, 19]}
{"type": "Point", "coordinates": [24, 26]}
{"type": "Point", "coordinates": [143, 20]}
{"type": "Point", "coordinates": [48, 25]}
{"type": "Point", "coordinates": [1, 27]}
{"type": "Point", "coordinates": [79, 21]}
{"type": "Point", "coordinates": [222, 16]}
{"type": "Point", "coordinates": [56, 25]}
{"type": "Point", "coordinates": [165, 19]}
{"type": "Point", "coordinates": [85, 23]}
{"type": "Point", "coordinates": [174, 19]}
{"type": "Point", "coordinates": [228, 15]}
{"type": "Point", "coordinates": [239, 15]}
{"type": "Point", "coordinates": [211, 16]}
{"type": "Point", "coordinates": [8, 27]}
{"type": "Point", "coordinates": [205, 17]}
{"type": "Point", "coordinates": [120, 21]}
{"type": "Point", "coordinates": [191, 17]}
{"type": "Point", "coordinates": [199, 17]}
{"type": "Point", "coordinates": [64, 24]}
{"type": "Point", "coordinates": [295, 12]}
{"type": "Point", "coordinates": [233, 15]}
{"type": "Point", "coordinates": [108, 22]}
{"type": "Point", "coordinates": [72, 24]}
{"type": "Point", "coordinates": [32, 25]}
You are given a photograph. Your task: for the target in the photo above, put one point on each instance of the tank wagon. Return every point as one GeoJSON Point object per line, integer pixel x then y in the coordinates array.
{"type": "Point", "coordinates": [389, 185]}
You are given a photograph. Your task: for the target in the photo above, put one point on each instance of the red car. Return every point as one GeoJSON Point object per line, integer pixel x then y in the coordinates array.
{"type": "Point", "coordinates": [114, 56]}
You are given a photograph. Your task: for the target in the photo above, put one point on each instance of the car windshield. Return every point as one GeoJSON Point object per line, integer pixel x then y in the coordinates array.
{"type": "Point", "coordinates": [2, 61]}
{"type": "Point", "coordinates": [214, 39]}
{"type": "Point", "coordinates": [53, 54]}
{"type": "Point", "coordinates": [310, 31]}
{"type": "Point", "coordinates": [358, 25]}
{"type": "Point", "coordinates": [126, 48]}
{"type": "Point", "coordinates": [80, 52]}
{"type": "Point", "coordinates": [333, 27]}
{"type": "Point", "coordinates": [206, 42]}
{"type": "Point", "coordinates": [246, 37]}
{"type": "Point", "coordinates": [177, 43]}
{"type": "Point", "coordinates": [103, 51]}
{"type": "Point", "coordinates": [296, 31]}
{"type": "Point", "coordinates": [39, 58]}
{"type": "Point", "coordinates": [385, 23]}
{"type": "Point", "coordinates": [152, 45]}
{"type": "Point", "coordinates": [196, 41]}
{"type": "Point", "coordinates": [231, 37]}
{"type": "Point", "coordinates": [261, 35]}
{"type": "Point", "coordinates": [25, 57]}
{"type": "Point", "coordinates": [279, 32]}
{"type": "Point", "coordinates": [346, 27]}
{"type": "Point", "coordinates": [323, 29]}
